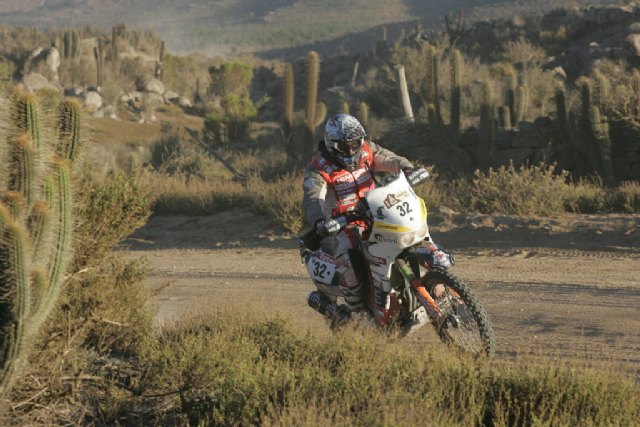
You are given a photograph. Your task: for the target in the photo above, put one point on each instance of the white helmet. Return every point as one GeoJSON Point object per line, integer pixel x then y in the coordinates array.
{"type": "Point", "coordinates": [343, 137]}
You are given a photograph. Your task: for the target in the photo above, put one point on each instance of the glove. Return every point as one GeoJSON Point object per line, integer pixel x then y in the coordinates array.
{"type": "Point", "coordinates": [331, 226]}
{"type": "Point", "coordinates": [417, 176]}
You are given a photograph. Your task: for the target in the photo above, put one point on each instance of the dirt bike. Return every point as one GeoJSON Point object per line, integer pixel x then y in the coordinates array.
{"type": "Point", "coordinates": [399, 254]}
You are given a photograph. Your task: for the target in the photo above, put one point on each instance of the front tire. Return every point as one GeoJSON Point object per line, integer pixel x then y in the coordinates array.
{"type": "Point", "coordinates": [465, 324]}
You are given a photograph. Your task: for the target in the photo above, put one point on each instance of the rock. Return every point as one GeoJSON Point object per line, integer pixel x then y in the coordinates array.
{"type": "Point", "coordinates": [92, 102]}
{"type": "Point", "coordinates": [45, 62]}
{"type": "Point", "coordinates": [171, 96]}
{"type": "Point", "coordinates": [559, 73]}
{"type": "Point", "coordinates": [154, 86]}
{"type": "Point", "coordinates": [152, 100]}
{"type": "Point", "coordinates": [36, 81]}
{"type": "Point", "coordinates": [185, 102]}
{"type": "Point", "coordinates": [632, 44]}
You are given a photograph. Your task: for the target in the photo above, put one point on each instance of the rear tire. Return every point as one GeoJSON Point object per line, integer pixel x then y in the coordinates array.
{"type": "Point", "coordinates": [465, 325]}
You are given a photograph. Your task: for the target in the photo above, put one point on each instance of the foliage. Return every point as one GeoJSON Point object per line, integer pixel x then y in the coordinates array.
{"type": "Point", "coordinates": [231, 78]}
{"type": "Point", "coordinates": [534, 190]}
{"type": "Point", "coordinates": [232, 122]}
{"type": "Point", "coordinates": [228, 368]}
{"type": "Point", "coordinates": [108, 211]}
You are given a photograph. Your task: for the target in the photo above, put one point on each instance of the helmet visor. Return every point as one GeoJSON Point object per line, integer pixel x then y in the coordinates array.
{"type": "Point", "coordinates": [352, 146]}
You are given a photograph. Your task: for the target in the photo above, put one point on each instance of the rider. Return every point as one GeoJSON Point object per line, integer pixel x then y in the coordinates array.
{"type": "Point", "coordinates": [345, 165]}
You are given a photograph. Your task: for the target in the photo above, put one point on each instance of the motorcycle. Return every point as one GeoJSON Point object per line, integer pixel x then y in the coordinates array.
{"type": "Point", "coordinates": [399, 255]}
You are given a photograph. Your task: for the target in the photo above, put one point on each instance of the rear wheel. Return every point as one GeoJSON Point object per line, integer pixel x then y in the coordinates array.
{"type": "Point", "coordinates": [465, 324]}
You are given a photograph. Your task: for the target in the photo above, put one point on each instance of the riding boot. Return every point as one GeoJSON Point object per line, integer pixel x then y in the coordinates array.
{"type": "Point", "coordinates": [349, 284]}
{"type": "Point", "coordinates": [381, 304]}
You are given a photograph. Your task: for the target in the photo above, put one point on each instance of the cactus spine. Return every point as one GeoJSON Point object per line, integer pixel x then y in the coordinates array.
{"type": "Point", "coordinates": [456, 91]}
{"type": "Point", "coordinates": [35, 237]}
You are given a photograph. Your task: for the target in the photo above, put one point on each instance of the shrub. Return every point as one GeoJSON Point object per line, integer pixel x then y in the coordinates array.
{"type": "Point", "coordinates": [232, 122]}
{"type": "Point", "coordinates": [527, 190]}
{"type": "Point", "coordinates": [280, 199]}
{"type": "Point", "coordinates": [231, 78]}
{"type": "Point", "coordinates": [109, 211]}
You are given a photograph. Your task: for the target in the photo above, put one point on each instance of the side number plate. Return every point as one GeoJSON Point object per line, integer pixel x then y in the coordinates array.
{"type": "Point", "coordinates": [322, 268]}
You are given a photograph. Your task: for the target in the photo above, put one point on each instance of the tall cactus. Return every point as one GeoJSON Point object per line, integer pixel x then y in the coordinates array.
{"type": "Point", "coordinates": [68, 130]}
{"type": "Point", "coordinates": [289, 94]}
{"type": "Point", "coordinates": [363, 114]}
{"type": "Point", "coordinates": [431, 96]}
{"type": "Point", "coordinates": [485, 145]}
{"type": "Point", "coordinates": [313, 76]}
{"type": "Point", "coordinates": [512, 83]}
{"type": "Point", "coordinates": [522, 98]}
{"type": "Point", "coordinates": [35, 229]}
{"type": "Point", "coordinates": [456, 65]}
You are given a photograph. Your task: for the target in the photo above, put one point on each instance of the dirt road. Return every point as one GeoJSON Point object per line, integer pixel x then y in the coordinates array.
{"type": "Point", "coordinates": [568, 287]}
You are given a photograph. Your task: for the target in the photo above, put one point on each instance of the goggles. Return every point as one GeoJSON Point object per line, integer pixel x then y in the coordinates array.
{"type": "Point", "coordinates": [345, 146]}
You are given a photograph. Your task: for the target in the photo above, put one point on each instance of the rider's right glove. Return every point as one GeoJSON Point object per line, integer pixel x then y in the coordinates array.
{"type": "Point", "coordinates": [331, 226]}
{"type": "Point", "coordinates": [417, 176]}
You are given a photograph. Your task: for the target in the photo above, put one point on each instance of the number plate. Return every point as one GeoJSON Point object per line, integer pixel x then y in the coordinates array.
{"type": "Point", "coordinates": [322, 268]}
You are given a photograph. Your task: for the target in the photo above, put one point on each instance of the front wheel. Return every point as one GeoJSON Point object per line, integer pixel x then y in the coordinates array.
{"type": "Point", "coordinates": [465, 324]}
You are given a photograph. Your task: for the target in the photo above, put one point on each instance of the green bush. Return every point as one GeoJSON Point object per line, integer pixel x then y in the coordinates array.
{"type": "Point", "coordinates": [231, 78]}
{"type": "Point", "coordinates": [232, 122]}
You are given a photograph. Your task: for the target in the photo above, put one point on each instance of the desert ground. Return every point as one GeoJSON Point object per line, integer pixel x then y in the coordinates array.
{"type": "Point", "coordinates": [567, 287]}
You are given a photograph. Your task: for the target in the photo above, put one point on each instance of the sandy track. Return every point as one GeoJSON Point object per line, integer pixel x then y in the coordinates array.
{"type": "Point", "coordinates": [568, 287]}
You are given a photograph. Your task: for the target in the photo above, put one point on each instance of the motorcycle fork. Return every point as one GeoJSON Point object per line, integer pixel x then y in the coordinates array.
{"type": "Point", "coordinates": [425, 298]}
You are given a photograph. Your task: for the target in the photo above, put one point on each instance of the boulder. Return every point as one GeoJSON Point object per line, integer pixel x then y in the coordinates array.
{"type": "Point", "coordinates": [152, 100]}
{"type": "Point", "coordinates": [45, 62]}
{"type": "Point", "coordinates": [92, 101]}
{"type": "Point", "coordinates": [632, 44]}
{"type": "Point", "coordinates": [185, 102]}
{"type": "Point", "coordinates": [154, 86]}
{"type": "Point", "coordinates": [36, 81]}
{"type": "Point", "coordinates": [171, 96]}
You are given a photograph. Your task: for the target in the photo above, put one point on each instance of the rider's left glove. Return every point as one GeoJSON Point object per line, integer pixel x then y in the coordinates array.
{"type": "Point", "coordinates": [331, 226]}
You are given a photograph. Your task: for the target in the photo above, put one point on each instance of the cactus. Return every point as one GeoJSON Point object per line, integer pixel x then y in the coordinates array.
{"type": "Point", "coordinates": [561, 106]}
{"type": "Point", "coordinates": [485, 145]}
{"type": "Point", "coordinates": [600, 130]}
{"type": "Point", "coordinates": [344, 107]}
{"type": "Point", "coordinates": [98, 53]}
{"type": "Point", "coordinates": [456, 91]}
{"type": "Point", "coordinates": [320, 114]}
{"type": "Point", "coordinates": [35, 232]}
{"type": "Point", "coordinates": [289, 94]}
{"type": "Point", "coordinates": [313, 75]}
{"type": "Point", "coordinates": [431, 96]}
{"type": "Point", "coordinates": [522, 97]}
{"type": "Point", "coordinates": [505, 117]}
{"type": "Point", "coordinates": [114, 43]}
{"type": "Point", "coordinates": [512, 84]}
{"type": "Point", "coordinates": [363, 114]}
{"type": "Point", "coordinates": [600, 91]}
{"type": "Point", "coordinates": [68, 130]}
{"type": "Point", "coordinates": [635, 84]}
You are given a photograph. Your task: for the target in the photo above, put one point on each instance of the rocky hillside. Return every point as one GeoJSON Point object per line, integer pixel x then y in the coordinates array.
{"type": "Point", "coordinates": [221, 25]}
